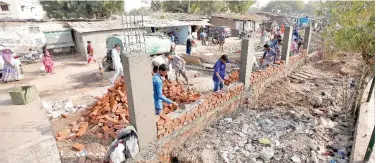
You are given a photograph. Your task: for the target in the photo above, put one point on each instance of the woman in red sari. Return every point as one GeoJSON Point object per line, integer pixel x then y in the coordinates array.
{"type": "Point", "coordinates": [47, 61]}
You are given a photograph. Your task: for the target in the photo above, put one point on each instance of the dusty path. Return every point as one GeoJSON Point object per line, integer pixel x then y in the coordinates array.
{"type": "Point", "coordinates": [292, 121]}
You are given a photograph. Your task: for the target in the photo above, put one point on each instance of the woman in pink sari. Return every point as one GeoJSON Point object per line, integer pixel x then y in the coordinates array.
{"type": "Point", "coordinates": [11, 69]}
{"type": "Point", "coordinates": [47, 61]}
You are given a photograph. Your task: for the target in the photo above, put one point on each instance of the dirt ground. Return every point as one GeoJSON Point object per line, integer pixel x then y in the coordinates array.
{"type": "Point", "coordinates": [292, 121]}
{"type": "Point", "coordinates": [80, 83]}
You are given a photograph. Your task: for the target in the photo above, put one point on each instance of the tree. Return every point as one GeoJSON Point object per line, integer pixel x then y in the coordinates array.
{"type": "Point", "coordinates": [139, 11]}
{"type": "Point", "coordinates": [281, 5]}
{"type": "Point", "coordinates": [206, 7]}
{"type": "Point", "coordinates": [155, 5]}
{"type": "Point", "coordinates": [351, 27]}
{"type": "Point", "coordinates": [175, 6]}
{"type": "Point", "coordinates": [311, 7]}
{"type": "Point", "coordinates": [81, 9]}
{"type": "Point", "coordinates": [239, 6]}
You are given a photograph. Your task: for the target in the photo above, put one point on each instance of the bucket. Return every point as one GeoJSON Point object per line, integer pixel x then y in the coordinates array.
{"type": "Point", "coordinates": [22, 95]}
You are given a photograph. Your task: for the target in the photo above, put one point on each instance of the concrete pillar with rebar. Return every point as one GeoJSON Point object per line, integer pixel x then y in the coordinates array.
{"type": "Point", "coordinates": [247, 53]}
{"type": "Point", "coordinates": [287, 36]}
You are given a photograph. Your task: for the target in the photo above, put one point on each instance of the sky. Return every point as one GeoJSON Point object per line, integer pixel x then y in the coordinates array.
{"type": "Point", "coordinates": [134, 4]}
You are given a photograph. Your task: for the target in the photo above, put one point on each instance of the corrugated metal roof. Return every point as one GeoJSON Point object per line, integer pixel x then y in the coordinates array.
{"type": "Point", "coordinates": [249, 17]}
{"type": "Point", "coordinates": [84, 27]}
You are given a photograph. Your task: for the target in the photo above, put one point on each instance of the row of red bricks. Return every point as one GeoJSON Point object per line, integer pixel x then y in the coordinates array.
{"type": "Point", "coordinates": [165, 125]}
{"type": "Point", "coordinates": [261, 75]}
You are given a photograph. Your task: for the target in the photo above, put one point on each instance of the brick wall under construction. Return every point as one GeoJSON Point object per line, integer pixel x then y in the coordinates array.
{"type": "Point", "coordinates": [174, 129]}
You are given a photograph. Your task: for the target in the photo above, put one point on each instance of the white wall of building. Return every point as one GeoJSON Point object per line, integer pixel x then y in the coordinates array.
{"type": "Point", "coordinates": [21, 9]}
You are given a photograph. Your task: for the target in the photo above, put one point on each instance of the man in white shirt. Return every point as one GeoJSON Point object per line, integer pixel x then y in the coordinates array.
{"type": "Point", "coordinates": [178, 64]}
{"type": "Point", "coordinates": [189, 37]}
{"type": "Point", "coordinates": [159, 60]}
{"type": "Point", "coordinates": [115, 55]}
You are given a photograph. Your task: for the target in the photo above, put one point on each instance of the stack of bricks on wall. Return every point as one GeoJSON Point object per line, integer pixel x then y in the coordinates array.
{"type": "Point", "coordinates": [110, 113]}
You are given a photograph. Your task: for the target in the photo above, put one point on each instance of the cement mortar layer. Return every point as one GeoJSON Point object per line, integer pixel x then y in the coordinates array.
{"type": "Point", "coordinates": [197, 120]}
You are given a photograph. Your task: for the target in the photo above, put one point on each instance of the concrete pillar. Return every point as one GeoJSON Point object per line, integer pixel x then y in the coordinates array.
{"type": "Point", "coordinates": [247, 53]}
{"type": "Point", "coordinates": [139, 89]}
{"type": "Point", "coordinates": [307, 38]}
{"type": "Point", "coordinates": [287, 38]}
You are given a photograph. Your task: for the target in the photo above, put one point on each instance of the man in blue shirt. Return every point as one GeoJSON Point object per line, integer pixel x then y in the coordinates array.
{"type": "Point", "coordinates": [157, 88]}
{"type": "Point", "coordinates": [275, 41]}
{"type": "Point", "coordinates": [220, 72]}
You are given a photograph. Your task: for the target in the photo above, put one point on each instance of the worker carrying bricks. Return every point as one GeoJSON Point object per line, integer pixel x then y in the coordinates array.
{"type": "Point", "coordinates": [220, 72]}
{"type": "Point", "coordinates": [178, 64]}
{"type": "Point", "coordinates": [157, 88]}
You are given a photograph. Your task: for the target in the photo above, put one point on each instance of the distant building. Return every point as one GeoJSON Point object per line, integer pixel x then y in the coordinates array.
{"type": "Point", "coordinates": [236, 23]}
{"type": "Point", "coordinates": [21, 9]}
{"type": "Point", "coordinates": [279, 18]}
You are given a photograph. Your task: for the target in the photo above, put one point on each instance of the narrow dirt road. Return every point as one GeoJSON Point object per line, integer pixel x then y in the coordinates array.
{"type": "Point", "coordinates": [292, 121]}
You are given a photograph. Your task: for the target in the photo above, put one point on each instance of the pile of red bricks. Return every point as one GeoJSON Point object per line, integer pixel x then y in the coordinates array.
{"type": "Point", "coordinates": [177, 93]}
{"type": "Point", "coordinates": [166, 126]}
{"type": "Point", "coordinates": [107, 117]}
{"type": "Point", "coordinates": [110, 113]}
{"type": "Point", "coordinates": [234, 77]}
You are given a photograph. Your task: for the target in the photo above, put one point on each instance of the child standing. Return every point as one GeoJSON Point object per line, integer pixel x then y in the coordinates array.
{"type": "Point", "coordinates": [47, 61]}
{"type": "Point", "coordinates": [90, 52]}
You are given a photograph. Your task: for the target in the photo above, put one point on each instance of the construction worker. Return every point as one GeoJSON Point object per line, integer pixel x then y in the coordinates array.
{"type": "Point", "coordinates": [220, 73]}
{"type": "Point", "coordinates": [178, 64]}
{"type": "Point", "coordinates": [157, 88]}
{"type": "Point", "coordinates": [269, 55]}
{"type": "Point", "coordinates": [159, 60]}
{"type": "Point", "coordinates": [115, 55]}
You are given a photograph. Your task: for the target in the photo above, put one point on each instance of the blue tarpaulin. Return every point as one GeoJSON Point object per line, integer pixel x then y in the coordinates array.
{"type": "Point", "coordinates": [302, 21]}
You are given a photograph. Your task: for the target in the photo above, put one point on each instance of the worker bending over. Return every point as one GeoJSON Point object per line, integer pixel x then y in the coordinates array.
{"type": "Point", "coordinates": [178, 64]}
{"type": "Point", "coordinates": [269, 56]}
{"type": "Point", "coordinates": [157, 88]}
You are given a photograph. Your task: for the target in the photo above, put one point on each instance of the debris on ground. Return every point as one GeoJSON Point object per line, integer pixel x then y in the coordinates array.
{"type": "Point", "coordinates": [60, 108]}
{"type": "Point", "coordinates": [78, 147]}
{"type": "Point", "coordinates": [290, 122]}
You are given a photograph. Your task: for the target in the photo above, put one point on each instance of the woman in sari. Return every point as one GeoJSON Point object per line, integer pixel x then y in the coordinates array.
{"type": "Point", "coordinates": [47, 61]}
{"type": "Point", "coordinates": [11, 69]}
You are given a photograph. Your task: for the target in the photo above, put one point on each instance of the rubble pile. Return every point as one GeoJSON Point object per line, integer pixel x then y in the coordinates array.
{"type": "Point", "coordinates": [60, 108]}
{"type": "Point", "coordinates": [110, 113]}
{"type": "Point", "coordinates": [255, 136]}
{"type": "Point", "coordinates": [297, 122]}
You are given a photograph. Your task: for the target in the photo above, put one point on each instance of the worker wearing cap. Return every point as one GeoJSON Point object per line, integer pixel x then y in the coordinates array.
{"type": "Point", "coordinates": [220, 72]}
